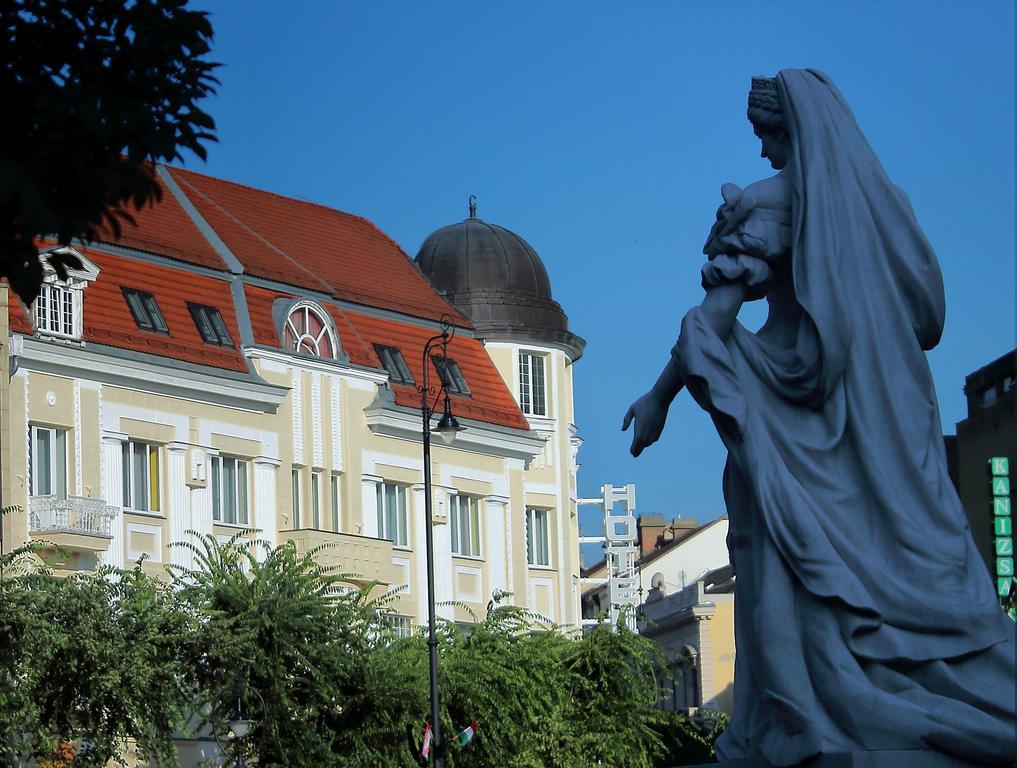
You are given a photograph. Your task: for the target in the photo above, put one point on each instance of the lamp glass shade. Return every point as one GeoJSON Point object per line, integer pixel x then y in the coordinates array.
{"type": "Point", "coordinates": [240, 728]}
{"type": "Point", "coordinates": [448, 425]}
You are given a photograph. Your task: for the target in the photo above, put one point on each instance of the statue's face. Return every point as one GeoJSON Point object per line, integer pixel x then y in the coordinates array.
{"type": "Point", "coordinates": [776, 146]}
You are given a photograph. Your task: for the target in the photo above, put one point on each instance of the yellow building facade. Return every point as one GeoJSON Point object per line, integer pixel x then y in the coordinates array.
{"type": "Point", "coordinates": [240, 361]}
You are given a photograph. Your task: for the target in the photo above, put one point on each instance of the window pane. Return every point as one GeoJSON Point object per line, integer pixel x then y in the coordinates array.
{"type": "Point", "coordinates": [404, 369]}
{"type": "Point", "coordinates": [60, 466]}
{"type": "Point", "coordinates": [295, 483]}
{"type": "Point", "coordinates": [139, 476]}
{"type": "Point", "coordinates": [153, 478]}
{"type": "Point", "coordinates": [220, 327]}
{"type": "Point", "coordinates": [379, 495]}
{"type": "Point", "coordinates": [54, 309]}
{"type": "Point", "coordinates": [453, 519]}
{"type": "Point", "coordinates": [229, 490]}
{"type": "Point", "coordinates": [524, 382]}
{"type": "Point", "coordinates": [242, 517]}
{"type": "Point", "coordinates": [529, 535]}
{"type": "Point", "coordinates": [42, 470]}
{"type": "Point", "coordinates": [539, 404]}
{"type": "Point", "coordinates": [401, 495]}
{"type": "Point", "coordinates": [153, 312]}
{"type": "Point", "coordinates": [542, 552]}
{"type": "Point", "coordinates": [475, 527]}
{"type": "Point", "coordinates": [467, 532]}
{"type": "Point", "coordinates": [391, 510]}
{"type": "Point", "coordinates": [68, 313]}
{"type": "Point", "coordinates": [40, 309]}
{"type": "Point", "coordinates": [335, 503]}
{"type": "Point", "coordinates": [315, 501]}
{"type": "Point", "coordinates": [216, 488]}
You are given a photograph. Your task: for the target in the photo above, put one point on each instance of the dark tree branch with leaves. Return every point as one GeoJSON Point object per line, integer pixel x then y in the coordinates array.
{"type": "Point", "coordinates": [94, 93]}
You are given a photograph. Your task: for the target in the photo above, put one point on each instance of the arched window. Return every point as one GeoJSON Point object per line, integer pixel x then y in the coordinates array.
{"type": "Point", "coordinates": [309, 331]}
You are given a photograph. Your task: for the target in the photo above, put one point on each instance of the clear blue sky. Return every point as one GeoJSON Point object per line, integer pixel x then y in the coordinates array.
{"type": "Point", "coordinates": [601, 132]}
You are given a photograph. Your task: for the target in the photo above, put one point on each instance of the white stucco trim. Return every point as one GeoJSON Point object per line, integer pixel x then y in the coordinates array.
{"type": "Point", "coordinates": [478, 437]}
{"type": "Point", "coordinates": [331, 367]}
{"type": "Point", "coordinates": [145, 376]}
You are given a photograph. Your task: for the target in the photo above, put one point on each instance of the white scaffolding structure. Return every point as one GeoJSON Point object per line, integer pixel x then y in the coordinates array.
{"type": "Point", "coordinates": [620, 552]}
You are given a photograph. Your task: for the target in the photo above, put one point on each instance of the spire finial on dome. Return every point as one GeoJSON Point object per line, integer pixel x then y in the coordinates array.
{"type": "Point", "coordinates": [473, 206]}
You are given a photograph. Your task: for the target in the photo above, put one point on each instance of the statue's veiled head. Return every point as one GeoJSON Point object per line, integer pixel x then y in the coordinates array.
{"type": "Point", "coordinates": [767, 117]}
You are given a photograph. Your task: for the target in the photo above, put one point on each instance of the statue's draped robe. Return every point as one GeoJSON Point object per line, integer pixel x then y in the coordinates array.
{"type": "Point", "coordinates": [864, 616]}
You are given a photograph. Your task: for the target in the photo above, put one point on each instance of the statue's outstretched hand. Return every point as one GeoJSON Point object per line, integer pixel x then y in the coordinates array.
{"type": "Point", "coordinates": [649, 414]}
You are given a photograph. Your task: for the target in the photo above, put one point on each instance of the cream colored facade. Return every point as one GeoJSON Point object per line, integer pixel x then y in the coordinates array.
{"type": "Point", "coordinates": [296, 424]}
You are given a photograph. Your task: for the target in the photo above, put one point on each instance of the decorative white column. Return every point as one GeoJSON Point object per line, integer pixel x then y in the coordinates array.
{"type": "Point", "coordinates": [178, 511]}
{"type": "Point", "coordinates": [496, 544]}
{"type": "Point", "coordinates": [112, 472]}
{"type": "Point", "coordinates": [266, 516]}
{"type": "Point", "coordinates": [369, 505]}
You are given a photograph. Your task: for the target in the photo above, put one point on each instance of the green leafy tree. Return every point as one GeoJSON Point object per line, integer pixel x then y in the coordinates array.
{"type": "Point", "coordinates": [293, 634]}
{"type": "Point", "coordinates": [93, 660]}
{"type": "Point", "coordinates": [94, 91]}
{"type": "Point", "coordinates": [541, 698]}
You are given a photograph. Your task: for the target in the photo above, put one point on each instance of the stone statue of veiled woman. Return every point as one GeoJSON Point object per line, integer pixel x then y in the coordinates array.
{"type": "Point", "coordinates": [865, 619]}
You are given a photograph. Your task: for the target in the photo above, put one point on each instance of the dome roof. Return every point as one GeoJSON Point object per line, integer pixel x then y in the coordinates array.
{"type": "Point", "coordinates": [496, 279]}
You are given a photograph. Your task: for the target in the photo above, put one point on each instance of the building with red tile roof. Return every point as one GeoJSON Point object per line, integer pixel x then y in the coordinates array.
{"type": "Point", "coordinates": [237, 359]}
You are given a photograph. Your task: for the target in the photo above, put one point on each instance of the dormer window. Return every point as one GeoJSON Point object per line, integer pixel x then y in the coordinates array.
{"type": "Point", "coordinates": [451, 375]}
{"type": "Point", "coordinates": [145, 310]}
{"type": "Point", "coordinates": [308, 330]}
{"type": "Point", "coordinates": [394, 363]}
{"type": "Point", "coordinates": [58, 309]}
{"type": "Point", "coordinates": [210, 324]}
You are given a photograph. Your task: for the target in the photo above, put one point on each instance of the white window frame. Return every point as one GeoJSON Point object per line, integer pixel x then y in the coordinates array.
{"type": "Point", "coordinates": [464, 525]}
{"type": "Point", "coordinates": [327, 329]}
{"type": "Point", "coordinates": [334, 498]}
{"type": "Point", "coordinates": [68, 323]}
{"type": "Point", "coordinates": [399, 625]}
{"type": "Point", "coordinates": [538, 520]}
{"type": "Point", "coordinates": [56, 459]}
{"type": "Point", "coordinates": [295, 496]}
{"type": "Point", "coordinates": [127, 453]}
{"type": "Point", "coordinates": [316, 500]}
{"type": "Point", "coordinates": [392, 523]}
{"type": "Point", "coordinates": [241, 513]}
{"type": "Point", "coordinates": [533, 399]}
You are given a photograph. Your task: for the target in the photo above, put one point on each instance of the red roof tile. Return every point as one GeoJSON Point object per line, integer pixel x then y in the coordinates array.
{"type": "Point", "coordinates": [16, 314]}
{"type": "Point", "coordinates": [165, 228]}
{"type": "Point", "coordinates": [313, 247]}
{"type": "Point", "coordinates": [108, 320]}
{"type": "Point", "coordinates": [490, 400]}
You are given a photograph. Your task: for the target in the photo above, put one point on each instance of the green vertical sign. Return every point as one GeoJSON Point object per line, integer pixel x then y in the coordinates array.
{"type": "Point", "coordinates": [1002, 524]}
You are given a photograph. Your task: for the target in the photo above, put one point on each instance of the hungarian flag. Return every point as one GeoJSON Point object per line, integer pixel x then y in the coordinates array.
{"type": "Point", "coordinates": [466, 736]}
{"type": "Point", "coordinates": [425, 748]}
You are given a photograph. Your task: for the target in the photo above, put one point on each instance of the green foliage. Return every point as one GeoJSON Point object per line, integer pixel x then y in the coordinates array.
{"type": "Point", "coordinates": [290, 632]}
{"type": "Point", "coordinates": [94, 91]}
{"type": "Point", "coordinates": [104, 658]}
{"type": "Point", "coordinates": [541, 698]}
{"type": "Point", "coordinates": [690, 740]}
{"type": "Point", "coordinates": [94, 659]}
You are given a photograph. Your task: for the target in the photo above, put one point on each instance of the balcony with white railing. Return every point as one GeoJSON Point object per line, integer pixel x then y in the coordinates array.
{"type": "Point", "coordinates": [74, 523]}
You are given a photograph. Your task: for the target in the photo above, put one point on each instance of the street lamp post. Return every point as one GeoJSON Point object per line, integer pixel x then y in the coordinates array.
{"type": "Point", "coordinates": [447, 427]}
{"type": "Point", "coordinates": [239, 726]}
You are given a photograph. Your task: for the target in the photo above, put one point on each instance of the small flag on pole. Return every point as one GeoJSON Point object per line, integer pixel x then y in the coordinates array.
{"type": "Point", "coordinates": [425, 748]}
{"type": "Point", "coordinates": [466, 736]}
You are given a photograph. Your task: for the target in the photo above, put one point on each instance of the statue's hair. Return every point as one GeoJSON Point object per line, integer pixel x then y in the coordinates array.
{"type": "Point", "coordinates": [765, 110]}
